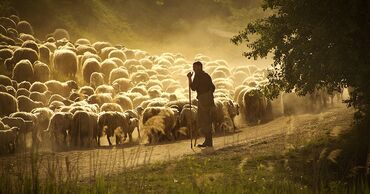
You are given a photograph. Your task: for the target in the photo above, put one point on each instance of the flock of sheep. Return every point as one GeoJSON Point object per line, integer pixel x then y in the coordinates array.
{"type": "Point", "coordinates": [70, 94]}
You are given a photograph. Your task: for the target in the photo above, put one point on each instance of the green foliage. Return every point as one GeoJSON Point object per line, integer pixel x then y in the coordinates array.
{"type": "Point", "coordinates": [314, 43]}
{"type": "Point", "coordinates": [318, 43]}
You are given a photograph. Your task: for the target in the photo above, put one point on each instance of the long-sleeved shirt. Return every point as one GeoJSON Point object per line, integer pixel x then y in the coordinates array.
{"type": "Point", "coordinates": [202, 83]}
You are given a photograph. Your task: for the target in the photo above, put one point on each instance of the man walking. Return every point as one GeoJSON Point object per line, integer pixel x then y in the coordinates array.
{"type": "Point", "coordinates": [202, 83]}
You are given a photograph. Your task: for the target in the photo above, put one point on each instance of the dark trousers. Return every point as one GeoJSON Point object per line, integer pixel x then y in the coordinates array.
{"type": "Point", "coordinates": [205, 118]}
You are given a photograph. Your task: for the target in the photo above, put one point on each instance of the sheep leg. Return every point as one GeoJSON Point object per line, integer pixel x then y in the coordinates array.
{"type": "Point", "coordinates": [118, 139]}
{"type": "Point", "coordinates": [98, 140]}
{"type": "Point", "coordinates": [138, 132]}
{"type": "Point", "coordinates": [130, 137]}
{"type": "Point", "coordinates": [110, 144]}
{"type": "Point", "coordinates": [124, 137]}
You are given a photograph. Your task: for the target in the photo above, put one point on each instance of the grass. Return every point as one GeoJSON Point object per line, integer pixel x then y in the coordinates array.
{"type": "Point", "coordinates": [308, 169]}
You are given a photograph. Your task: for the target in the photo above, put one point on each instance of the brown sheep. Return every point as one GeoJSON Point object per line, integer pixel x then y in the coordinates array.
{"type": "Point", "coordinates": [84, 130]}
{"type": "Point", "coordinates": [113, 123]}
{"type": "Point", "coordinates": [8, 104]}
{"type": "Point", "coordinates": [59, 125]}
{"type": "Point", "coordinates": [111, 107]}
{"type": "Point", "coordinates": [124, 101]}
{"type": "Point", "coordinates": [90, 66]}
{"type": "Point", "coordinates": [41, 72]}
{"type": "Point", "coordinates": [23, 71]}
{"type": "Point", "coordinates": [65, 62]}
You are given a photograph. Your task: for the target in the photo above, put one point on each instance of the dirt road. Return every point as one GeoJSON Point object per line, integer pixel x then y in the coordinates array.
{"type": "Point", "coordinates": [281, 134]}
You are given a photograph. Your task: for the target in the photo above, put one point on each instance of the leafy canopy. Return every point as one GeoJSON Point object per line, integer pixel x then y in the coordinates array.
{"type": "Point", "coordinates": [314, 43]}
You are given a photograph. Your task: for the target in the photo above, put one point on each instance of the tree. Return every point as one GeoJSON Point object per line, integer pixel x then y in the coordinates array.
{"type": "Point", "coordinates": [317, 43]}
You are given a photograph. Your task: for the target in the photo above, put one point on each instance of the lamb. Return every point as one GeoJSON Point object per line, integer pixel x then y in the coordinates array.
{"type": "Point", "coordinates": [31, 45]}
{"type": "Point", "coordinates": [51, 46]}
{"type": "Point", "coordinates": [112, 107]}
{"type": "Point", "coordinates": [82, 49]}
{"type": "Point", "coordinates": [13, 34]}
{"type": "Point", "coordinates": [59, 125]}
{"type": "Point", "coordinates": [129, 63]}
{"type": "Point", "coordinates": [154, 82]}
{"type": "Point", "coordinates": [15, 18]}
{"type": "Point", "coordinates": [139, 54]}
{"type": "Point", "coordinates": [56, 97]}
{"type": "Point", "coordinates": [96, 79]}
{"type": "Point", "coordinates": [118, 73]}
{"type": "Point", "coordinates": [114, 123]}
{"type": "Point", "coordinates": [133, 124]}
{"type": "Point", "coordinates": [218, 74]}
{"type": "Point", "coordinates": [130, 54]}
{"type": "Point", "coordinates": [24, 126]}
{"type": "Point", "coordinates": [100, 45]}
{"type": "Point", "coordinates": [154, 93]}
{"type": "Point", "coordinates": [56, 105]}
{"type": "Point", "coordinates": [43, 116]}
{"type": "Point", "coordinates": [84, 130]}
{"type": "Point", "coordinates": [138, 100]}
{"type": "Point", "coordinates": [24, 27]}
{"type": "Point", "coordinates": [41, 72]}
{"type": "Point", "coordinates": [65, 62]}
{"type": "Point", "coordinates": [82, 41]}
{"type": "Point", "coordinates": [131, 95]}
{"type": "Point", "coordinates": [158, 124]}
{"type": "Point", "coordinates": [104, 52]}
{"type": "Point", "coordinates": [188, 119]}
{"type": "Point", "coordinates": [8, 104]}
{"type": "Point", "coordinates": [117, 53]}
{"type": "Point", "coordinates": [146, 63]}
{"type": "Point", "coordinates": [122, 84]}
{"type": "Point", "coordinates": [140, 76]}
{"type": "Point", "coordinates": [24, 84]}
{"type": "Point", "coordinates": [7, 22]}
{"type": "Point", "coordinates": [106, 67]}
{"type": "Point", "coordinates": [31, 123]}
{"type": "Point", "coordinates": [10, 90]}
{"type": "Point", "coordinates": [100, 99]}
{"type": "Point", "coordinates": [45, 54]}
{"type": "Point", "coordinates": [76, 96]}
{"type": "Point", "coordinates": [105, 89]}
{"type": "Point", "coordinates": [6, 53]}
{"type": "Point", "coordinates": [139, 89]}
{"type": "Point", "coordinates": [23, 71]}
{"type": "Point", "coordinates": [123, 101]}
{"type": "Point", "coordinates": [8, 140]}
{"type": "Point", "coordinates": [7, 40]}
{"type": "Point", "coordinates": [39, 97]}
{"type": "Point", "coordinates": [90, 66]}
{"type": "Point", "coordinates": [158, 102]}
{"type": "Point", "coordinates": [26, 104]}
{"type": "Point", "coordinates": [38, 87]}
{"type": "Point", "coordinates": [86, 90]}
{"type": "Point", "coordinates": [64, 43]}
{"type": "Point", "coordinates": [118, 62]}
{"type": "Point", "coordinates": [62, 88]}
{"type": "Point", "coordinates": [23, 92]}
{"type": "Point", "coordinates": [256, 107]}
{"type": "Point", "coordinates": [24, 37]}
{"type": "Point", "coordinates": [27, 117]}
{"type": "Point", "coordinates": [60, 33]}
{"type": "Point", "coordinates": [5, 80]}
{"type": "Point", "coordinates": [230, 110]}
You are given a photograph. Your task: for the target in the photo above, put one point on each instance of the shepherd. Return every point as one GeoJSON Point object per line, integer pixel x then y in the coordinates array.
{"type": "Point", "coordinates": [203, 85]}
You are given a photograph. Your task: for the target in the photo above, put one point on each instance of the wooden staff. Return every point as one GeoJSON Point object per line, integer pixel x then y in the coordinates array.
{"type": "Point", "coordinates": [191, 116]}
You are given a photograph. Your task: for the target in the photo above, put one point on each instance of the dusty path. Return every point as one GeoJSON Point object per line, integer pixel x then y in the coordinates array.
{"type": "Point", "coordinates": [280, 134]}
